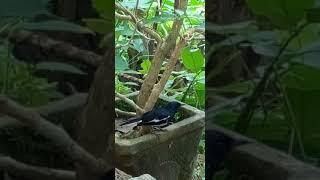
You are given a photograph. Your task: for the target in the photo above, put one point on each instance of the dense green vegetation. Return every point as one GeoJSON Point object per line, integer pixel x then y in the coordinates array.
{"type": "Point", "coordinates": [136, 51]}
{"type": "Point", "coordinates": [134, 57]}
{"type": "Point", "coordinates": [281, 95]}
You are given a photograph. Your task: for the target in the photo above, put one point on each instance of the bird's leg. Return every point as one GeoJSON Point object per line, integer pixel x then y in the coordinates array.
{"type": "Point", "coordinates": [157, 129]}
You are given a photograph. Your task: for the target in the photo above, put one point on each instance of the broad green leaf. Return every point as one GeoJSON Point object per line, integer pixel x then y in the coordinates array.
{"type": "Point", "coordinates": [313, 15]}
{"type": "Point", "coordinates": [99, 25]}
{"type": "Point", "coordinates": [303, 93]}
{"type": "Point", "coordinates": [59, 67]}
{"type": "Point", "coordinates": [305, 109]}
{"type": "Point", "coordinates": [269, 50]}
{"type": "Point", "coordinates": [282, 13]}
{"type": "Point", "coordinates": [131, 4]}
{"type": "Point", "coordinates": [138, 44]}
{"type": "Point", "coordinates": [121, 63]}
{"type": "Point", "coordinates": [310, 34]}
{"type": "Point", "coordinates": [246, 26]}
{"type": "Point", "coordinates": [146, 64]}
{"type": "Point", "coordinates": [54, 25]}
{"type": "Point", "coordinates": [201, 93]}
{"type": "Point", "coordinates": [309, 55]}
{"type": "Point", "coordinates": [238, 87]}
{"type": "Point", "coordinates": [125, 30]}
{"type": "Point", "coordinates": [301, 76]}
{"type": "Point", "coordinates": [193, 59]}
{"type": "Point", "coordinates": [105, 8]}
{"type": "Point", "coordinates": [22, 8]}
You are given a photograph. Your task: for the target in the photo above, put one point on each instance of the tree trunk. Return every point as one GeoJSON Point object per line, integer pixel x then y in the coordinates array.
{"type": "Point", "coordinates": [96, 125]}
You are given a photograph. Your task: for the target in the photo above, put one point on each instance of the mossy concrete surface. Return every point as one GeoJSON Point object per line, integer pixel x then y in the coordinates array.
{"type": "Point", "coordinates": [256, 161]}
{"type": "Point", "coordinates": [169, 155]}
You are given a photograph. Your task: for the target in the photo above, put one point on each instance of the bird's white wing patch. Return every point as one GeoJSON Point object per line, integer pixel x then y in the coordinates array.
{"type": "Point", "coordinates": [159, 120]}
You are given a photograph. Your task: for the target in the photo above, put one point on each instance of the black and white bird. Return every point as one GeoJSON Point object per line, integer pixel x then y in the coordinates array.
{"type": "Point", "coordinates": [158, 117]}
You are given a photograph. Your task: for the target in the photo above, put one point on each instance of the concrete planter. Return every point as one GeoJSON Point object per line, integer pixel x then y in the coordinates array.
{"type": "Point", "coordinates": [168, 156]}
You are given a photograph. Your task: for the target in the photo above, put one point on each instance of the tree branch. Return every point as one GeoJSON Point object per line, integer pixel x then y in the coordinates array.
{"type": "Point", "coordinates": [125, 113]}
{"type": "Point", "coordinates": [131, 17]}
{"type": "Point", "coordinates": [56, 134]}
{"type": "Point", "coordinates": [55, 48]}
{"type": "Point", "coordinates": [33, 172]}
{"type": "Point", "coordinates": [161, 52]}
{"type": "Point", "coordinates": [158, 88]}
{"type": "Point", "coordinates": [130, 102]}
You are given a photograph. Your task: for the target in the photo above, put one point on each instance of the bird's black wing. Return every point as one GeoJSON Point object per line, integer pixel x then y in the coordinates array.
{"type": "Point", "coordinates": [135, 120]}
{"type": "Point", "coordinates": [157, 117]}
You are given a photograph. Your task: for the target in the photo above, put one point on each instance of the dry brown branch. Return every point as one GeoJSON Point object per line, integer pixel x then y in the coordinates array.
{"type": "Point", "coordinates": [17, 168]}
{"type": "Point", "coordinates": [161, 52]}
{"type": "Point", "coordinates": [125, 113]}
{"type": "Point", "coordinates": [131, 17]}
{"type": "Point", "coordinates": [58, 49]}
{"type": "Point", "coordinates": [56, 134]}
{"type": "Point", "coordinates": [130, 102]}
{"type": "Point", "coordinates": [158, 88]}
{"type": "Point", "coordinates": [70, 103]}
{"type": "Point", "coordinates": [32, 172]}
{"type": "Point", "coordinates": [132, 78]}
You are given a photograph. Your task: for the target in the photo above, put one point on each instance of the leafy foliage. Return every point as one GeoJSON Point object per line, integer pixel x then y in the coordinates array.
{"type": "Point", "coordinates": [284, 116]}
{"type": "Point", "coordinates": [134, 54]}
{"type": "Point", "coordinates": [17, 78]}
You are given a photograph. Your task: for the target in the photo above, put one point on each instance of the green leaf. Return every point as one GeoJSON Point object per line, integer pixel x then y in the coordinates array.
{"type": "Point", "coordinates": [22, 8]}
{"type": "Point", "coordinates": [105, 8]}
{"type": "Point", "coordinates": [146, 64]}
{"type": "Point", "coordinates": [138, 44]}
{"type": "Point", "coordinates": [238, 87]}
{"type": "Point", "coordinates": [131, 4]}
{"type": "Point", "coordinates": [301, 76]}
{"type": "Point", "coordinates": [54, 25]}
{"type": "Point", "coordinates": [61, 67]}
{"type": "Point", "coordinates": [193, 59]}
{"type": "Point", "coordinates": [309, 55]}
{"type": "Point", "coordinates": [121, 63]}
{"type": "Point", "coordinates": [313, 15]}
{"type": "Point", "coordinates": [99, 25]}
{"type": "Point", "coordinates": [305, 109]}
{"type": "Point", "coordinates": [282, 13]}
{"type": "Point", "coordinates": [201, 93]}
{"type": "Point", "coordinates": [232, 28]}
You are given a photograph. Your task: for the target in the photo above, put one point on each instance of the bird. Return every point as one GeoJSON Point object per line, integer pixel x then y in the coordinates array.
{"type": "Point", "coordinates": [158, 117]}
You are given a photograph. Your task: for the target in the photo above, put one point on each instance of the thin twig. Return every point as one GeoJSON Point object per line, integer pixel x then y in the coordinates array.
{"type": "Point", "coordinates": [125, 113]}
{"type": "Point", "coordinates": [130, 102]}
{"type": "Point", "coordinates": [17, 168]}
{"type": "Point", "coordinates": [56, 134]}
{"type": "Point", "coordinates": [247, 113]}
{"type": "Point", "coordinates": [131, 17]}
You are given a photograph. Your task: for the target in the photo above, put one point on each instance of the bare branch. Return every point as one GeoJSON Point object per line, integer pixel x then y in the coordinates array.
{"type": "Point", "coordinates": [161, 52]}
{"type": "Point", "coordinates": [56, 134]}
{"type": "Point", "coordinates": [158, 88]}
{"type": "Point", "coordinates": [125, 113]}
{"type": "Point", "coordinates": [53, 47]}
{"type": "Point", "coordinates": [130, 102]}
{"type": "Point", "coordinates": [131, 17]}
{"type": "Point", "coordinates": [132, 78]}
{"type": "Point", "coordinates": [33, 172]}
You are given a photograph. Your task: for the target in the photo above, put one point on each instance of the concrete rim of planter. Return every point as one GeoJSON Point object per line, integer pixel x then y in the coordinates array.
{"type": "Point", "coordinates": [192, 123]}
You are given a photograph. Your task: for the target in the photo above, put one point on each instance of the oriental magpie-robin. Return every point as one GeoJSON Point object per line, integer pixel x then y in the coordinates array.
{"type": "Point", "coordinates": [160, 117]}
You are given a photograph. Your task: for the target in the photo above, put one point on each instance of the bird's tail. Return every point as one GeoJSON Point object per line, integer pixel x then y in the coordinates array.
{"type": "Point", "coordinates": [130, 121]}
